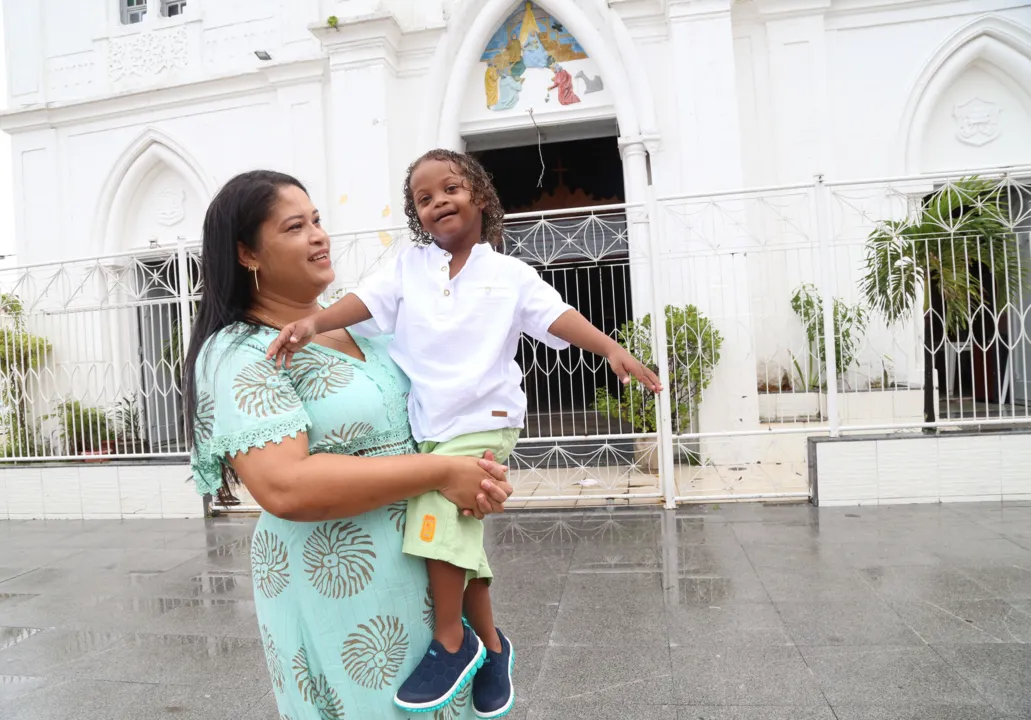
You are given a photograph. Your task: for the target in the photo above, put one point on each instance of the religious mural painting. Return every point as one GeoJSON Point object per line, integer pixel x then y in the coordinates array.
{"type": "Point", "coordinates": [530, 40]}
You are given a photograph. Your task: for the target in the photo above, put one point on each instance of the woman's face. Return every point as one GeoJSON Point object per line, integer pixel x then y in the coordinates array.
{"type": "Point", "coordinates": [293, 249]}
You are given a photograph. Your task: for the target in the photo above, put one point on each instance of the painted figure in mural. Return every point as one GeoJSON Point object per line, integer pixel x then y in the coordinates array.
{"type": "Point", "coordinates": [563, 81]}
{"type": "Point", "coordinates": [455, 309]}
{"type": "Point", "coordinates": [502, 88]}
{"type": "Point", "coordinates": [490, 85]}
{"type": "Point", "coordinates": [510, 87]}
{"type": "Point", "coordinates": [529, 38]}
{"type": "Point", "coordinates": [534, 54]}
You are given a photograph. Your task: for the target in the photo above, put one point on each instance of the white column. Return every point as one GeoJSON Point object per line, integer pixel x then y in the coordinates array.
{"type": "Point", "coordinates": [303, 105]}
{"type": "Point", "coordinates": [800, 101]}
{"type": "Point", "coordinates": [709, 137]}
{"type": "Point", "coordinates": [636, 186]}
{"type": "Point", "coordinates": [647, 289]}
{"type": "Point", "coordinates": [24, 40]}
{"type": "Point", "coordinates": [703, 79]}
{"type": "Point", "coordinates": [362, 193]}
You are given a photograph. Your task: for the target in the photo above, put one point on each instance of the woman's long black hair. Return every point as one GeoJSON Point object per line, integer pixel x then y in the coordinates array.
{"type": "Point", "coordinates": [234, 216]}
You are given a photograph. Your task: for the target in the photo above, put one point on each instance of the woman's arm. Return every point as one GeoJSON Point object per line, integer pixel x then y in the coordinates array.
{"type": "Point", "coordinates": [289, 483]}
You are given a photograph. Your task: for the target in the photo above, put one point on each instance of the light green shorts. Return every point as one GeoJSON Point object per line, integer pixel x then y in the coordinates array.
{"type": "Point", "coordinates": [436, 530]}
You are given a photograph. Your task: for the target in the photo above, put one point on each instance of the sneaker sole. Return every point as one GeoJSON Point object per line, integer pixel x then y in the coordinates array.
{"type": "Point", "coordinates": [511, 701]}
{"type": "Point", "coordinates": [463, 679]}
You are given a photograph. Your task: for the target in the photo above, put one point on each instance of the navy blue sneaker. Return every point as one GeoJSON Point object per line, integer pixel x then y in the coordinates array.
{"type": "Point", "coordinates": [493, 694]}
{"type": "Point", "coordinates": [440, 675]}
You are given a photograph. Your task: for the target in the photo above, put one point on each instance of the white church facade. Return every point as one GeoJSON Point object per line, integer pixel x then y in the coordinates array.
{"type": "Point", "coordinates": [726, 159]}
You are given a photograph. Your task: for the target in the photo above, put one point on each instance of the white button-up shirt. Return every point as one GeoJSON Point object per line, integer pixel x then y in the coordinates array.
{"type": "Point", "coordinates": [457, 338]}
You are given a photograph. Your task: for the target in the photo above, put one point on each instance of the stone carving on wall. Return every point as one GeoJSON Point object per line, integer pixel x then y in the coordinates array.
{"type": "Point", "coordinates": [171, 207]}
{"type": "Point", "coordinates": [147, 54]}
{"type": "Point", "coordinates": [977, 121]}
{"type": "Point", "coordinates": [530, 39]}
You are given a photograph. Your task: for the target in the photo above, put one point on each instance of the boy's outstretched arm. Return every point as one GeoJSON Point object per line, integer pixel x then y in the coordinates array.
{"type": "Point", "coordinates": [345, 312]}
{"type": "Point", "coordinates": [577, 330]}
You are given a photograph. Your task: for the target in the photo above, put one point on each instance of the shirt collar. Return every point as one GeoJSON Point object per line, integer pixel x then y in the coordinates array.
{"type": "Point", "coordinates": [478, 249]}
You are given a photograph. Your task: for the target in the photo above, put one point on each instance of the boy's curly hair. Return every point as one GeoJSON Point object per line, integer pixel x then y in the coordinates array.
{"type": "Point", "coordinates": [480, 187]}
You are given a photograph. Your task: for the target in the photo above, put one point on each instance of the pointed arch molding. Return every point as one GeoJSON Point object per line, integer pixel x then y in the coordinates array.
{"type": "Point", "coordinates": [1001, 45]}
{"type": "Point", "coordinates": [151, 149]}
{"type": "Point", "coordinates": [612, 48]}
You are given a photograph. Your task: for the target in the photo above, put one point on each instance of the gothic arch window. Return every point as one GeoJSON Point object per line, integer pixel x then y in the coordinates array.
{"type": "Point", "coordinates": [173, 8]}
{"type": "Point", "coordinates": [133, 11]}
{"type": "Point", "coordinates": [970, 103]}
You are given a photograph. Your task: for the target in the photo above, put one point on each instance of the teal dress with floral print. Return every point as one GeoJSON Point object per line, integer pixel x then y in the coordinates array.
{"type": "Point", "coordinates": [344, 615]}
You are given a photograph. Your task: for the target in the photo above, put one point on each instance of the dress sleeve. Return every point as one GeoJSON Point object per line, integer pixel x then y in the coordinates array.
{"type": "Point", "coordinates": [381, 294]}
{"type": "Point", "coordinates": [540, 306]}
{"type": "Point", "coordinates": [243, 401]}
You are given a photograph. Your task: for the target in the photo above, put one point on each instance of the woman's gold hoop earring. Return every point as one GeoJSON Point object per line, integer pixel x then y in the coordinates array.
{"type": "Point", "coordinates": [254, 269]}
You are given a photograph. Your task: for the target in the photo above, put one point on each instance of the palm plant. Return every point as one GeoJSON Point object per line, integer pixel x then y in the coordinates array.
{"type": "Point", "coordinates": [947, 257]}
{"type": "Point", "coordinates": [849, 329]}
{"type": "Point", "coordinates": [127, 422]}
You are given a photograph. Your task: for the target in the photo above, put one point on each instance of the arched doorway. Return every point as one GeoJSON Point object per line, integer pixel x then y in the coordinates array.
{"type": "Point", "coordinates": [566, 200]}
{"type": "Point", "coordinates": [969, 109]}
{"type": "Point", "coordinates": [544, 100]}
{"type": "Point", "coordinates": [150, 209]}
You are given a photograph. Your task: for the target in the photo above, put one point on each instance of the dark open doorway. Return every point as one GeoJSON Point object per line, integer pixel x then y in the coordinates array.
{"type": "Point", "coordinates": [583, 255]}
{"type": "Point", "coordinates": [577, 174]}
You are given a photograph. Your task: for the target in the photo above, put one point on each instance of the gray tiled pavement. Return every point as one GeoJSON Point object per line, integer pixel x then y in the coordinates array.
{"type": "Point", "coordinates": [744, 612]}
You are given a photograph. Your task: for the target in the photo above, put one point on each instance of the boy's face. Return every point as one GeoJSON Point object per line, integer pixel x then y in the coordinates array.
{"type": "Point", "coordinates": [445, 205]}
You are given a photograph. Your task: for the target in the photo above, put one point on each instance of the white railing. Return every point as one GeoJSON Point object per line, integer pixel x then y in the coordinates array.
{"type": "Point", "coordinates": [922, 281]}
{"type": "Point", "coordinates": [92, 353]}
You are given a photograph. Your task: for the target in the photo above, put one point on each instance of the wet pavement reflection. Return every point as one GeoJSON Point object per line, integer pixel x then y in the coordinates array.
{"type": "Point", "coordinates": [733, 612]}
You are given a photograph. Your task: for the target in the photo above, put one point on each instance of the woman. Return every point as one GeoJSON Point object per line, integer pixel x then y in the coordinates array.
{"type": "Point", "coordinates": [324, 448]}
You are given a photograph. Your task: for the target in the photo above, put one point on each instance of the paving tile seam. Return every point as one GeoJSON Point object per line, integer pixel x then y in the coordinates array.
{"type": "Point", "coordinates": [968, 683]}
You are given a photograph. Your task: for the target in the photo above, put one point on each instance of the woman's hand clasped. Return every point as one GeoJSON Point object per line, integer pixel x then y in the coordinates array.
{"type": "Point", "coordinates": [478, 487]}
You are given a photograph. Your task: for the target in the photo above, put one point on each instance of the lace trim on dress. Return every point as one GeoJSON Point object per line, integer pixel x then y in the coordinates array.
{"type": "Point", "coordinates": [206, 459]}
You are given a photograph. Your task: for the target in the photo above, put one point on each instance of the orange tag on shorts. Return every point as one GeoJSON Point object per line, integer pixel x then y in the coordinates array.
{"type": "Point", "coordinates": [429, 527]}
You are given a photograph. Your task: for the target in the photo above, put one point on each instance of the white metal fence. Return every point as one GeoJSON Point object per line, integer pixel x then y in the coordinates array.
{"type": "Point", "coordinates": [91, 355]}
{"type": "Point", "coordinates": [923, 283]}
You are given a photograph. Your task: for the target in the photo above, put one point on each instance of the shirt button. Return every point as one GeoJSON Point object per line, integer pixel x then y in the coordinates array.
{"type": "Point", "coordinates": [443, 268]}
{"type": "Point", "coordinates": [446, 293]}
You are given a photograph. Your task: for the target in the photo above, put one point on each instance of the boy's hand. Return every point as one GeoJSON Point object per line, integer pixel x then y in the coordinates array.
{"type": "Point", "coordinates": [624, 365]}
{"type": "Point", "coordinates": [291, 338]}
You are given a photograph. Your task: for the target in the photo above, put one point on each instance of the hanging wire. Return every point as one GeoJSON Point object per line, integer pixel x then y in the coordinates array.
{"type": "Point", "coordinates": [540, 151]}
